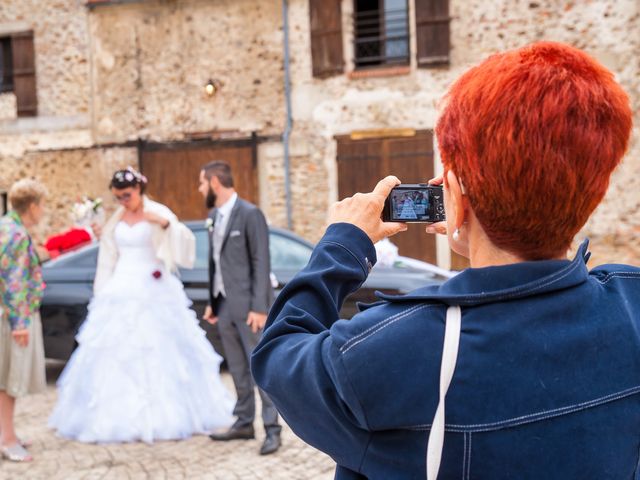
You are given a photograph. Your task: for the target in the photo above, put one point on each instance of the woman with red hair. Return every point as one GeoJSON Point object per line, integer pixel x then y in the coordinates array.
{"type": "Point", "coordinates": [526, 365]}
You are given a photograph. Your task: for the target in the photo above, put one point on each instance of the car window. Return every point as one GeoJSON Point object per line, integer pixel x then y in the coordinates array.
{"type": "Point", "coordinates": [287, 253]}
{"type": "Point", "coordinates": [202, 249]}
{"type": "Point", "coordinates": [88, 258]}
{"type": "Point", "coordinates": [84, 257]}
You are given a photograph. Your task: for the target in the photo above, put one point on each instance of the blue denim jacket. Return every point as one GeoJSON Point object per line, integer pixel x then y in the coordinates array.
{"type": "Point", "coordinates": [546, 386]}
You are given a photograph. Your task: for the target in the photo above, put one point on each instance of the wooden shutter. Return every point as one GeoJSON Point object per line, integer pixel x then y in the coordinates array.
{"type": "Point", "coordinates": [24, 74]}
{"type": "Point", "coordinates": [326, 37]}
{"type": "Point", "coordinates": [432, 32]}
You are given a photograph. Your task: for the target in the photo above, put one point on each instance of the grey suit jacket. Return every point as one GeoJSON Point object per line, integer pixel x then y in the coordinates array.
{"type": "Point", "coordinates": [244, 260]}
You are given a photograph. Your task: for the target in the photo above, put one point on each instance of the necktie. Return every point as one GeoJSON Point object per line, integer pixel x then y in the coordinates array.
{"type": "Point", "coordinates": [218, 238]}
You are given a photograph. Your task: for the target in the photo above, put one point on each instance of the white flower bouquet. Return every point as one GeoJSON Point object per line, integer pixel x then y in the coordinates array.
{"type": "Point", "coordinates": [87, 211]}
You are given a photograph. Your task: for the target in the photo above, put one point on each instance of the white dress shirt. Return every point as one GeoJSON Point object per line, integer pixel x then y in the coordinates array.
{"type": "Point", "coordinates": [219, 228]}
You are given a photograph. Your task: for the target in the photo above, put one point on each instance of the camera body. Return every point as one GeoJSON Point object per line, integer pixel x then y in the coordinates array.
{"type": "Point", "coordinates": [414, 203]}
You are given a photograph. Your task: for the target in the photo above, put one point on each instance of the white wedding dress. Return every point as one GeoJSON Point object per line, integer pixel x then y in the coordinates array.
{"type": "Point", "coordinates": [144, 369]}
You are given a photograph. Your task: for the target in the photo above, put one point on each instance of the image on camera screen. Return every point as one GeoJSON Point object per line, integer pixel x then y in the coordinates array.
{"type": "Point", "coordinates": [410, 204]}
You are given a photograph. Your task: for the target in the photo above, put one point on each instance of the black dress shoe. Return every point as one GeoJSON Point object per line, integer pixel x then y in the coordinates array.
{"type": "Point", "coordinates": [271, 444]}
{"type": "Point", "coordinates": [235, 433]}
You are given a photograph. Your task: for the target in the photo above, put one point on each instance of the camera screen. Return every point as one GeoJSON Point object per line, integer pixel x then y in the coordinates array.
{"type": "Point", "coordinates": [409, 205]}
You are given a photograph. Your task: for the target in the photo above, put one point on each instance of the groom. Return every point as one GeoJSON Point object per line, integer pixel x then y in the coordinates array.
{"type": "Point", "coordinates": [240, 294]}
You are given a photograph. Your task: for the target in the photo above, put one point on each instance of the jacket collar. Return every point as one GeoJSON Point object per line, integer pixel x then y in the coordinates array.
{"type": "Point", "coordinates": [476, 286]}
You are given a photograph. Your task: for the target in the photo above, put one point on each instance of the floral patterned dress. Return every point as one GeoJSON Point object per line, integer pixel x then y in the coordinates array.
{"type": "Point", "coordinates": [21, 289]}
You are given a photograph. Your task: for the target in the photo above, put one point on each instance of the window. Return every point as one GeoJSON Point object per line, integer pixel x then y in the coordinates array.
{"type": "Point", "coordinates": [4, 203]}
{"type": "Point", "coordinates": [287, 253]}
{"type": "Point", "coordinates": [381, 33]}
{"type": "Point", "coordinates": [6, 65]}
{"type": "Point", "coordinates": [18, 72]}
{"type": "Point", "coordinates": [202, 248]}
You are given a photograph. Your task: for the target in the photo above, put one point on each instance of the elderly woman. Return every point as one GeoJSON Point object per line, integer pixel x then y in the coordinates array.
{"type": "Point", "coordinates": [526, 365]}
{"type": "Point", "coordinates": [21, 351]}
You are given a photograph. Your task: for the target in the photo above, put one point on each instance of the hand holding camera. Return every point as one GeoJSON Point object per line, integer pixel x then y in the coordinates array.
{"type": "Point", "coordinates": [364, 210]}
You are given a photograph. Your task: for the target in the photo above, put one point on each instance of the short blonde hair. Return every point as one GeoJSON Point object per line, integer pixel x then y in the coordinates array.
{"type": "Point", "coordinates": [24, 193]}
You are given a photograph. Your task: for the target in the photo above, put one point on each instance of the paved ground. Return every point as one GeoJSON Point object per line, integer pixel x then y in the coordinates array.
{"type": "Point", "coordinates": [196, 458]}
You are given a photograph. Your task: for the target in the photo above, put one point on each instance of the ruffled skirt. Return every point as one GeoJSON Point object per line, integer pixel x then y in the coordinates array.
{"type": "Point", "coordinates": [143, 370]}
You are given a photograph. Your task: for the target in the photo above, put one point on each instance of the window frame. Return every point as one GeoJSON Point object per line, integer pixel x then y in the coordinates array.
{"type": "Point", "coordinates": [382, 61]}
{"type": "Point", "coordinates": [7, 82]}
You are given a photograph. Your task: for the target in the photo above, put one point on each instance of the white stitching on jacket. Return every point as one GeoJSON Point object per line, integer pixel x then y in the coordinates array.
{"type": "Point", "coordinates": [464, 457]}
{"type": "Point", "coordinates": [469, 458]}
{"type": "Point", "coordinates": [533, 417]}
{"type": "Point", "coordinates": [565, 273]}
{"type": "Point", "coordinates": [352, 342]}
{"type": "Point", "coordinates": [611, 275]}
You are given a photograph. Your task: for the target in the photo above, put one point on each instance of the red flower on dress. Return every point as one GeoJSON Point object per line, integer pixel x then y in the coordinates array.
{"type": "Point", "coordinates": [157, 274]}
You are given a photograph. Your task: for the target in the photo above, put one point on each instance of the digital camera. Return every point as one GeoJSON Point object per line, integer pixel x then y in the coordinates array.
{"type": "Point", "coordinates": [413, 203]}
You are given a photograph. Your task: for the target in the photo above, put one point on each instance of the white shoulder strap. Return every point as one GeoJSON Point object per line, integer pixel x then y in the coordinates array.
{"type": "Point", "coordinates": [447, 367]}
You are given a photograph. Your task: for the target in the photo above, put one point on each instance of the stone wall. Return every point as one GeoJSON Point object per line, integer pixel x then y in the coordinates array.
{"type": "Point", "coordinates": [68, 175]}
{"type": "Point", "coordinates": [61, 51]}
{"type": "Point", "coordinates": [606, 29]}
{"type": "Point", "coordinates": [54, 146]}
{"type": "Point", "coordinates": [152, 60]}
{"type": "Point", "coordinates": [121, 72]}
{"type": "Point", "coordinates": [62, 60]}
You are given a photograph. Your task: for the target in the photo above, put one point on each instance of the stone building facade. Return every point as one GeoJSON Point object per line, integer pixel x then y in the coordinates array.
{"type": "Point", "coordinates": [116, 79]}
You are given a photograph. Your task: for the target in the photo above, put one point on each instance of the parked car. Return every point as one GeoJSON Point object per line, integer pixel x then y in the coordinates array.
{"type": "Point", "coordinates": [69, 280]}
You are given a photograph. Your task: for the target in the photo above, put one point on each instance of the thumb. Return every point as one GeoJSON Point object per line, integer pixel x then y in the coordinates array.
{"type": "Point", "coordinates": [391, 228]}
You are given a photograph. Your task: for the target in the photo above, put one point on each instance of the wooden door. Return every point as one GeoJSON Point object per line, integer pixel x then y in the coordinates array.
{"type": "Point", "coordinates": [362, 163]}
{"type": "Point", "coordinates": [173, 171]}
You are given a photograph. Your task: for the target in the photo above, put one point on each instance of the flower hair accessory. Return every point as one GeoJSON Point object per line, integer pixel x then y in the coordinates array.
{"type": "Point", "coordinates": [136, 174]}
{"type": "Point", "coordinates": [130, 174]}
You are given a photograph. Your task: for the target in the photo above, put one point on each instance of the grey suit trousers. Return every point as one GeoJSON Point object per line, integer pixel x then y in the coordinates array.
{"type": "Point", "coordinates": [239, 341]}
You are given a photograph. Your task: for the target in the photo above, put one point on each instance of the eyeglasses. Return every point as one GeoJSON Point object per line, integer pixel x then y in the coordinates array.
{"type": "Point", "coordinates": [125, 197]}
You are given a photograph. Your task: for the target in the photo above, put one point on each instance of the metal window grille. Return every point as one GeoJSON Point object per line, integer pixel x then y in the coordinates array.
{"type": "Point", "coordinates": [6, 65]}
{"type": "Point", "coordinates": [381, 33]}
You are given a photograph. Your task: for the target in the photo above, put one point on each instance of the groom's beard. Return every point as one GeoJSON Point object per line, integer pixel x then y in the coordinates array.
{"type": "Point", "coordinates": [210, 201]}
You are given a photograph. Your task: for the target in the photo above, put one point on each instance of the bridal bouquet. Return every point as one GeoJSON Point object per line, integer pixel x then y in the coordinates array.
{"type": "Point", "coordinates": [87, 211]}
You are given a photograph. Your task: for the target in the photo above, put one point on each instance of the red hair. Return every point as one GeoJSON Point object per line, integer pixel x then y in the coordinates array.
{"type": "Point", "coordinates": [535, 134]}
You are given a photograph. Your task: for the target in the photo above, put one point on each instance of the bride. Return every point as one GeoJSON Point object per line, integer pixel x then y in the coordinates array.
{"type": "Point", "coordinates": [144, 369]}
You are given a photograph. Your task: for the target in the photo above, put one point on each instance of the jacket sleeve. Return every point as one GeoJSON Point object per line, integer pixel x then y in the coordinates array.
{"type": "Point", "coordinates": [298, 362]}
{"type": "Point", "coordinates": [178, 246]}
{"type": "Point", "coordinates": [257, 233]}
